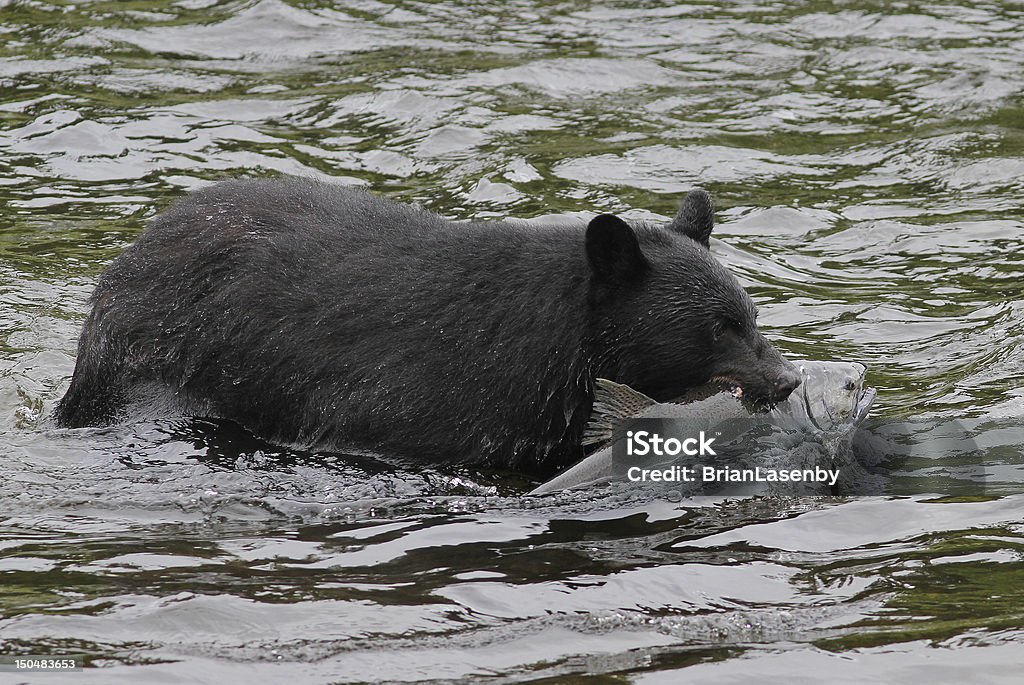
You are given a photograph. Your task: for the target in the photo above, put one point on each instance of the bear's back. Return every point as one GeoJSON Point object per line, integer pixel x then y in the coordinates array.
{"type": "Point", "coordinates": [297, 206]}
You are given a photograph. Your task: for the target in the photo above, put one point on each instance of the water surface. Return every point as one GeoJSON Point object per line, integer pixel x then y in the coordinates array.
{"type": "Point", "coordinates": [868, 163]}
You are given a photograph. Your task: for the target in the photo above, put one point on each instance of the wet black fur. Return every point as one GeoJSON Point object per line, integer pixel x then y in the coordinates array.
{"type": "Point", "coordinates": [327, 316]}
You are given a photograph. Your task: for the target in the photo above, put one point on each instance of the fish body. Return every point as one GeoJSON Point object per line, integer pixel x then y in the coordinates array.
{"type": "Point", "coordinates": [832, 400]}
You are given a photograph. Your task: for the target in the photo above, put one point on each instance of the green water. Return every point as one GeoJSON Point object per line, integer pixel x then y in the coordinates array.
{"type": "Point", "coordinates": [868, 164]}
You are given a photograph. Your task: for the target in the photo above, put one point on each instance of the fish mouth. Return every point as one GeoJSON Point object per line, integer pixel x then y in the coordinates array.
{"type": "Point", "coordinates": [864, 402]}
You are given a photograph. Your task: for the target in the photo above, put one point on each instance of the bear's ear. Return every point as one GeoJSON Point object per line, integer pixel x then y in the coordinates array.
{"type": "Point", "coordinates": [695, 217]}
{"type": "Point", "coordinates": [613, 250]}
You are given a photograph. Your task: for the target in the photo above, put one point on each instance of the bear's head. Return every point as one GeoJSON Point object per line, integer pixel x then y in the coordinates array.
{"type": "Point", "coordinates": [666, 316]}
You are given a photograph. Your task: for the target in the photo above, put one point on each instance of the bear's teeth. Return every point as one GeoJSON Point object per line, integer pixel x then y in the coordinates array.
{"type": "Point", "coordinates": [737, 391]}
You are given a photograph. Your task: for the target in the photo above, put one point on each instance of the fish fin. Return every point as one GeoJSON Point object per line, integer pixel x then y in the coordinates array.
{"type": "Point", "coordinates": [613, 404]}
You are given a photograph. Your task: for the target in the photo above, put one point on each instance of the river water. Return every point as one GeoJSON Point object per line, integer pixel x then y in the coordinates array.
{"type": "Point", "coordinates": [868, 164]}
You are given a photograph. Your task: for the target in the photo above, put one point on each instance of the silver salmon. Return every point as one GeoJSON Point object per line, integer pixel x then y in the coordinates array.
{"type": "Point", "coordinates": [831, 399]}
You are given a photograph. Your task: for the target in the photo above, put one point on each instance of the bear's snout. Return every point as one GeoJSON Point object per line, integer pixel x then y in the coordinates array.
{"type": "Point", "coordinates": [785, 384]}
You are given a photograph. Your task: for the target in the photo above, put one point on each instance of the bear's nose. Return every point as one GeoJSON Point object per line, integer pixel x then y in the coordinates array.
{"type": "Point", "coordinates": [785, 385]}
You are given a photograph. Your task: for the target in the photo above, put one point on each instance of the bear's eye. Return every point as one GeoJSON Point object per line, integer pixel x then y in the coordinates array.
{"type": "Point", "coordinates": [726, 325]}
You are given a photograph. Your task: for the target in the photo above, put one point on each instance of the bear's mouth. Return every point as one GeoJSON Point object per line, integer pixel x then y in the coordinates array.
{"type": "Point", "coordinates": [751, 399]}
{"type": "Point", "coordinates": [734, 386]}
{"type": "Point", "coordinates": [724, 384]}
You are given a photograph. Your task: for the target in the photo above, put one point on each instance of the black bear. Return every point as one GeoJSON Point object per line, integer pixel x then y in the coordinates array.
{"type": "Point", "coordinates": [326, 316]}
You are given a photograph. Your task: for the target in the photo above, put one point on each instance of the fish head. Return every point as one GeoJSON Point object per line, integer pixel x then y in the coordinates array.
{"type": "Point", "coordinates": [832, 394]}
